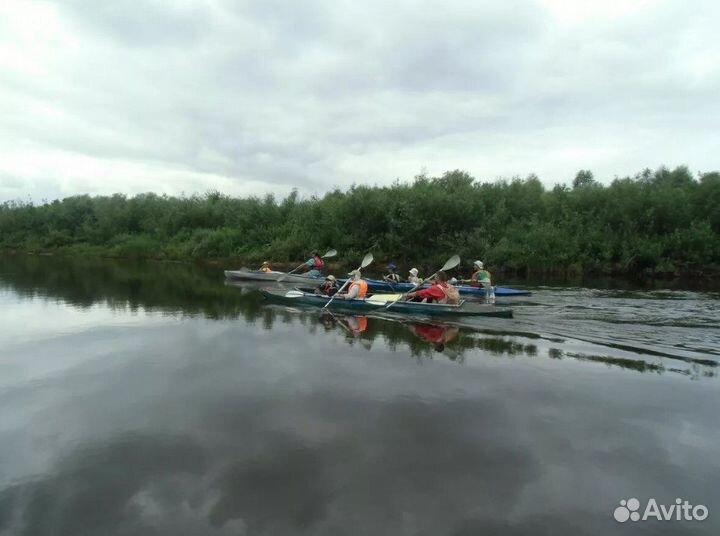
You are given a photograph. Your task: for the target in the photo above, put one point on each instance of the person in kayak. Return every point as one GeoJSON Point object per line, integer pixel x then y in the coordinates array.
{"type": "Point", "coordinates": [358, 287]}
{"type": "Point", "coordinates": [328, 287]}
{"type": "Point", "coordinates": [435, 293]}
{"type": "Point", "coordinates": [480, 276]}
{"type": "Point", "coordinates": [392, 276]}
{"type": "Point", "coordinates": [314, 265]}
{"type": "Point", "coordinates": [413, 277]}
{"type": "Point", "coordinates": [266, 267]}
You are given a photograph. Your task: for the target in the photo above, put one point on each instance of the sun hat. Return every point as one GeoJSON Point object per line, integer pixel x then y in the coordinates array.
{"type": "Point", "coordinates": [330, 277]}
{"type": "Point", "coordinates": [354, 272]}
{"type": "Point", "coordinates": [414, 271]}
{"type": "Point", "coordinates": [479, 264]}
{"type": "Point", "coordinates": [392, 266]}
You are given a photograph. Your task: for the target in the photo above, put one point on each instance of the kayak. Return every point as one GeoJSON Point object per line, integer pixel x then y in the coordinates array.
{"type": "Point", "coordinates": [374, 285]}
{"type": "Point", "coordinates": [245, 274]}
{"type": "Point", "coordinates": [378, 304]}
{"type": "Point", "coordinates": [383, 286]}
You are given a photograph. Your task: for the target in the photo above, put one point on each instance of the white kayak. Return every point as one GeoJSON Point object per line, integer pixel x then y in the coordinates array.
{"type": "Point", "coordinates": [245, 274]}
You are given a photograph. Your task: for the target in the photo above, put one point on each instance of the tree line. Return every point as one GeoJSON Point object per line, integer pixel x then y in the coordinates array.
{"type": "Point", "coordinates": [662, 221]}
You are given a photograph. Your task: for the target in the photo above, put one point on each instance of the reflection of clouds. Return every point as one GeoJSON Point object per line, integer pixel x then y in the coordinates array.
{"type": "Point", "coordinates": [190, 426]}
{"type": "Point", "coordinates": [287, 488]}
{"type": "Point", "coordinates": [405, 466]}
{"type": "Point", "coordinates": [381, 472]}
{"type": "Point", "coordinates": [91, 490]}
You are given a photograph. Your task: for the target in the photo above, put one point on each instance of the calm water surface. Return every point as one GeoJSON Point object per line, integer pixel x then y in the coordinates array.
{"type": "Point", "coordinates": [153, 399]}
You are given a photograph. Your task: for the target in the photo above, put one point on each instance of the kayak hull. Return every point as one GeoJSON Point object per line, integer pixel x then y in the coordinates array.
{"type": "Point", "coordinates": [401, 307]}
{"type": "Point", "coordinates": [383, 286]}
{"type": "Point", "coordinates": [245, 274]}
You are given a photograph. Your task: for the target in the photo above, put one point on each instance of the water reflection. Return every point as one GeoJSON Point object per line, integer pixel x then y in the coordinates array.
{"type": "Point", "coordinates": [193, 290]}
{"type": "Point", "coordinates": [210, 413]}
{"type": "Point", "coordinates": [171, 288]}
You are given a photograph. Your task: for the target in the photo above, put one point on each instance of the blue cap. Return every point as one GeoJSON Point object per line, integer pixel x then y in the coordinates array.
{"type": "Point", "coordinates": [392, 266]}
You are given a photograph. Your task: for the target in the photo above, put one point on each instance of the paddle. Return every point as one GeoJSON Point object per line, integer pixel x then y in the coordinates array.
{"type": "Point", "coordinates": [366, 260]}
{"type": "Point", "coordinates": [383, 298]}
{"type": "Point", "coordinates": [452, 262]}
{"type": "Point", "coordinates": [330, 253]}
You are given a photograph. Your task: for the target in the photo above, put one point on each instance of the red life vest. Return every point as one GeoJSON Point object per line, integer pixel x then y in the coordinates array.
{"type": "Point", "coordinates": [319, 263]}
{"type": "Point", "coordinates": [443, 287]}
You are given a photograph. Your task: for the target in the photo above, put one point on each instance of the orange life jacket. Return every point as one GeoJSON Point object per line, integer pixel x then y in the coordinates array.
{"type": "Point", "coordinates": [363, 287]}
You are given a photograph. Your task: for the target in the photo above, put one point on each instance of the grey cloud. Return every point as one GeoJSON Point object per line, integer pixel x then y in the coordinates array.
{"type": "Point", "coordinates": [297, 94]}
{"type": "Point", "coordinates": [142, 24]}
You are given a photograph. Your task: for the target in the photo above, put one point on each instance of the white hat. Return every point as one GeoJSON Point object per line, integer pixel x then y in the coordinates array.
{"type": "Point", "coordinates": [414, 271]}
{"type": "Point", "coordinates": [266, 262]}
{"type": "Point", "coordinates": [355, 272]}
{"type": "Point", "coordinates": [479, 264]}
{"type": "Point", "coordinates": [331, 277]}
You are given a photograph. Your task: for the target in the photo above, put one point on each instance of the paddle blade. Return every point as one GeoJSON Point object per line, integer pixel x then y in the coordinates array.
{"type": "Point", "coordinates": [330, 253]}
{"type": "Point", "coordinates": [451, 263]}
{"type": "Point", "coordinates": [294, 294]}
{"type": "Point", "coordinates": [366, 260]}
{"type": "Point", "coordinates": [383, 298]}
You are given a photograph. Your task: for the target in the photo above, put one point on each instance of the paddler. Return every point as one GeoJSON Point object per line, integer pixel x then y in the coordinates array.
{"type": "Point", "coordinates": [328, 287]}
{"type": "Point", "coordinates": [392, 276]}
{"type": "Point", "coordinates": [358, 287]}
{"type": "Point", "coordinates": [435, 293]}
{"type": "Point", "coordinates": [266, 267]}
{"type": "Point", "coordinates": [480, 276]}
{"type": "Point", "coordinates": [314, 264]}
{"type": "Point", "coordinates": [413, 277]}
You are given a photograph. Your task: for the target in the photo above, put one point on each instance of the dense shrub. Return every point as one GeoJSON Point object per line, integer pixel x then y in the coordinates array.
{"type": "Point", "coordinates": [665, 220]}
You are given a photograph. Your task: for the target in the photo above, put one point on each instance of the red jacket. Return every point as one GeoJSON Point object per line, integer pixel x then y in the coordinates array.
{"type": "Point", "coordinates": [434, 293]}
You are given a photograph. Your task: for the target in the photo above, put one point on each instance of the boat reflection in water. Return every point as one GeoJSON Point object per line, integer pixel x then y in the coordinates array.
{"type": "Point", "coordinates": [355, 325]}
{"type": "Point", "coordinates": [191, 291]}
{"type": "Point", "coordinates": [425, 339]}
{"type": "Point", "coordinates": [438, 336]}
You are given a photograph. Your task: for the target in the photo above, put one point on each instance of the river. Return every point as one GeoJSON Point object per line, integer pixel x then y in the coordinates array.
{"type": "Point", "coordinates": [151, 398]}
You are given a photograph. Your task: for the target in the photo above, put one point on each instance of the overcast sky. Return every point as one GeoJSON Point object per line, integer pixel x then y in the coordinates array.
{"type": "Point", "coordinates": [250, 97]}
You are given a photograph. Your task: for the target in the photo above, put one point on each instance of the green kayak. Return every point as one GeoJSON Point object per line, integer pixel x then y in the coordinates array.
{"type": "Point", "coordinates": [378, 304]}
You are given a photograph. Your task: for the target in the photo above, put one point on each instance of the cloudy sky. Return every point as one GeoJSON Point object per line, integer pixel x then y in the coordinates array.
{"type": "Point", "coordinates": [246, 97]}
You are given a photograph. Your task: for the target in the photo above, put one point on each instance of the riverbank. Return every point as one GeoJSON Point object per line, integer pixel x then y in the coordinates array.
{"type": "Point", "coordinates": [655, 224]}
{"type": "Point", "coordinates": [707, 279]}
